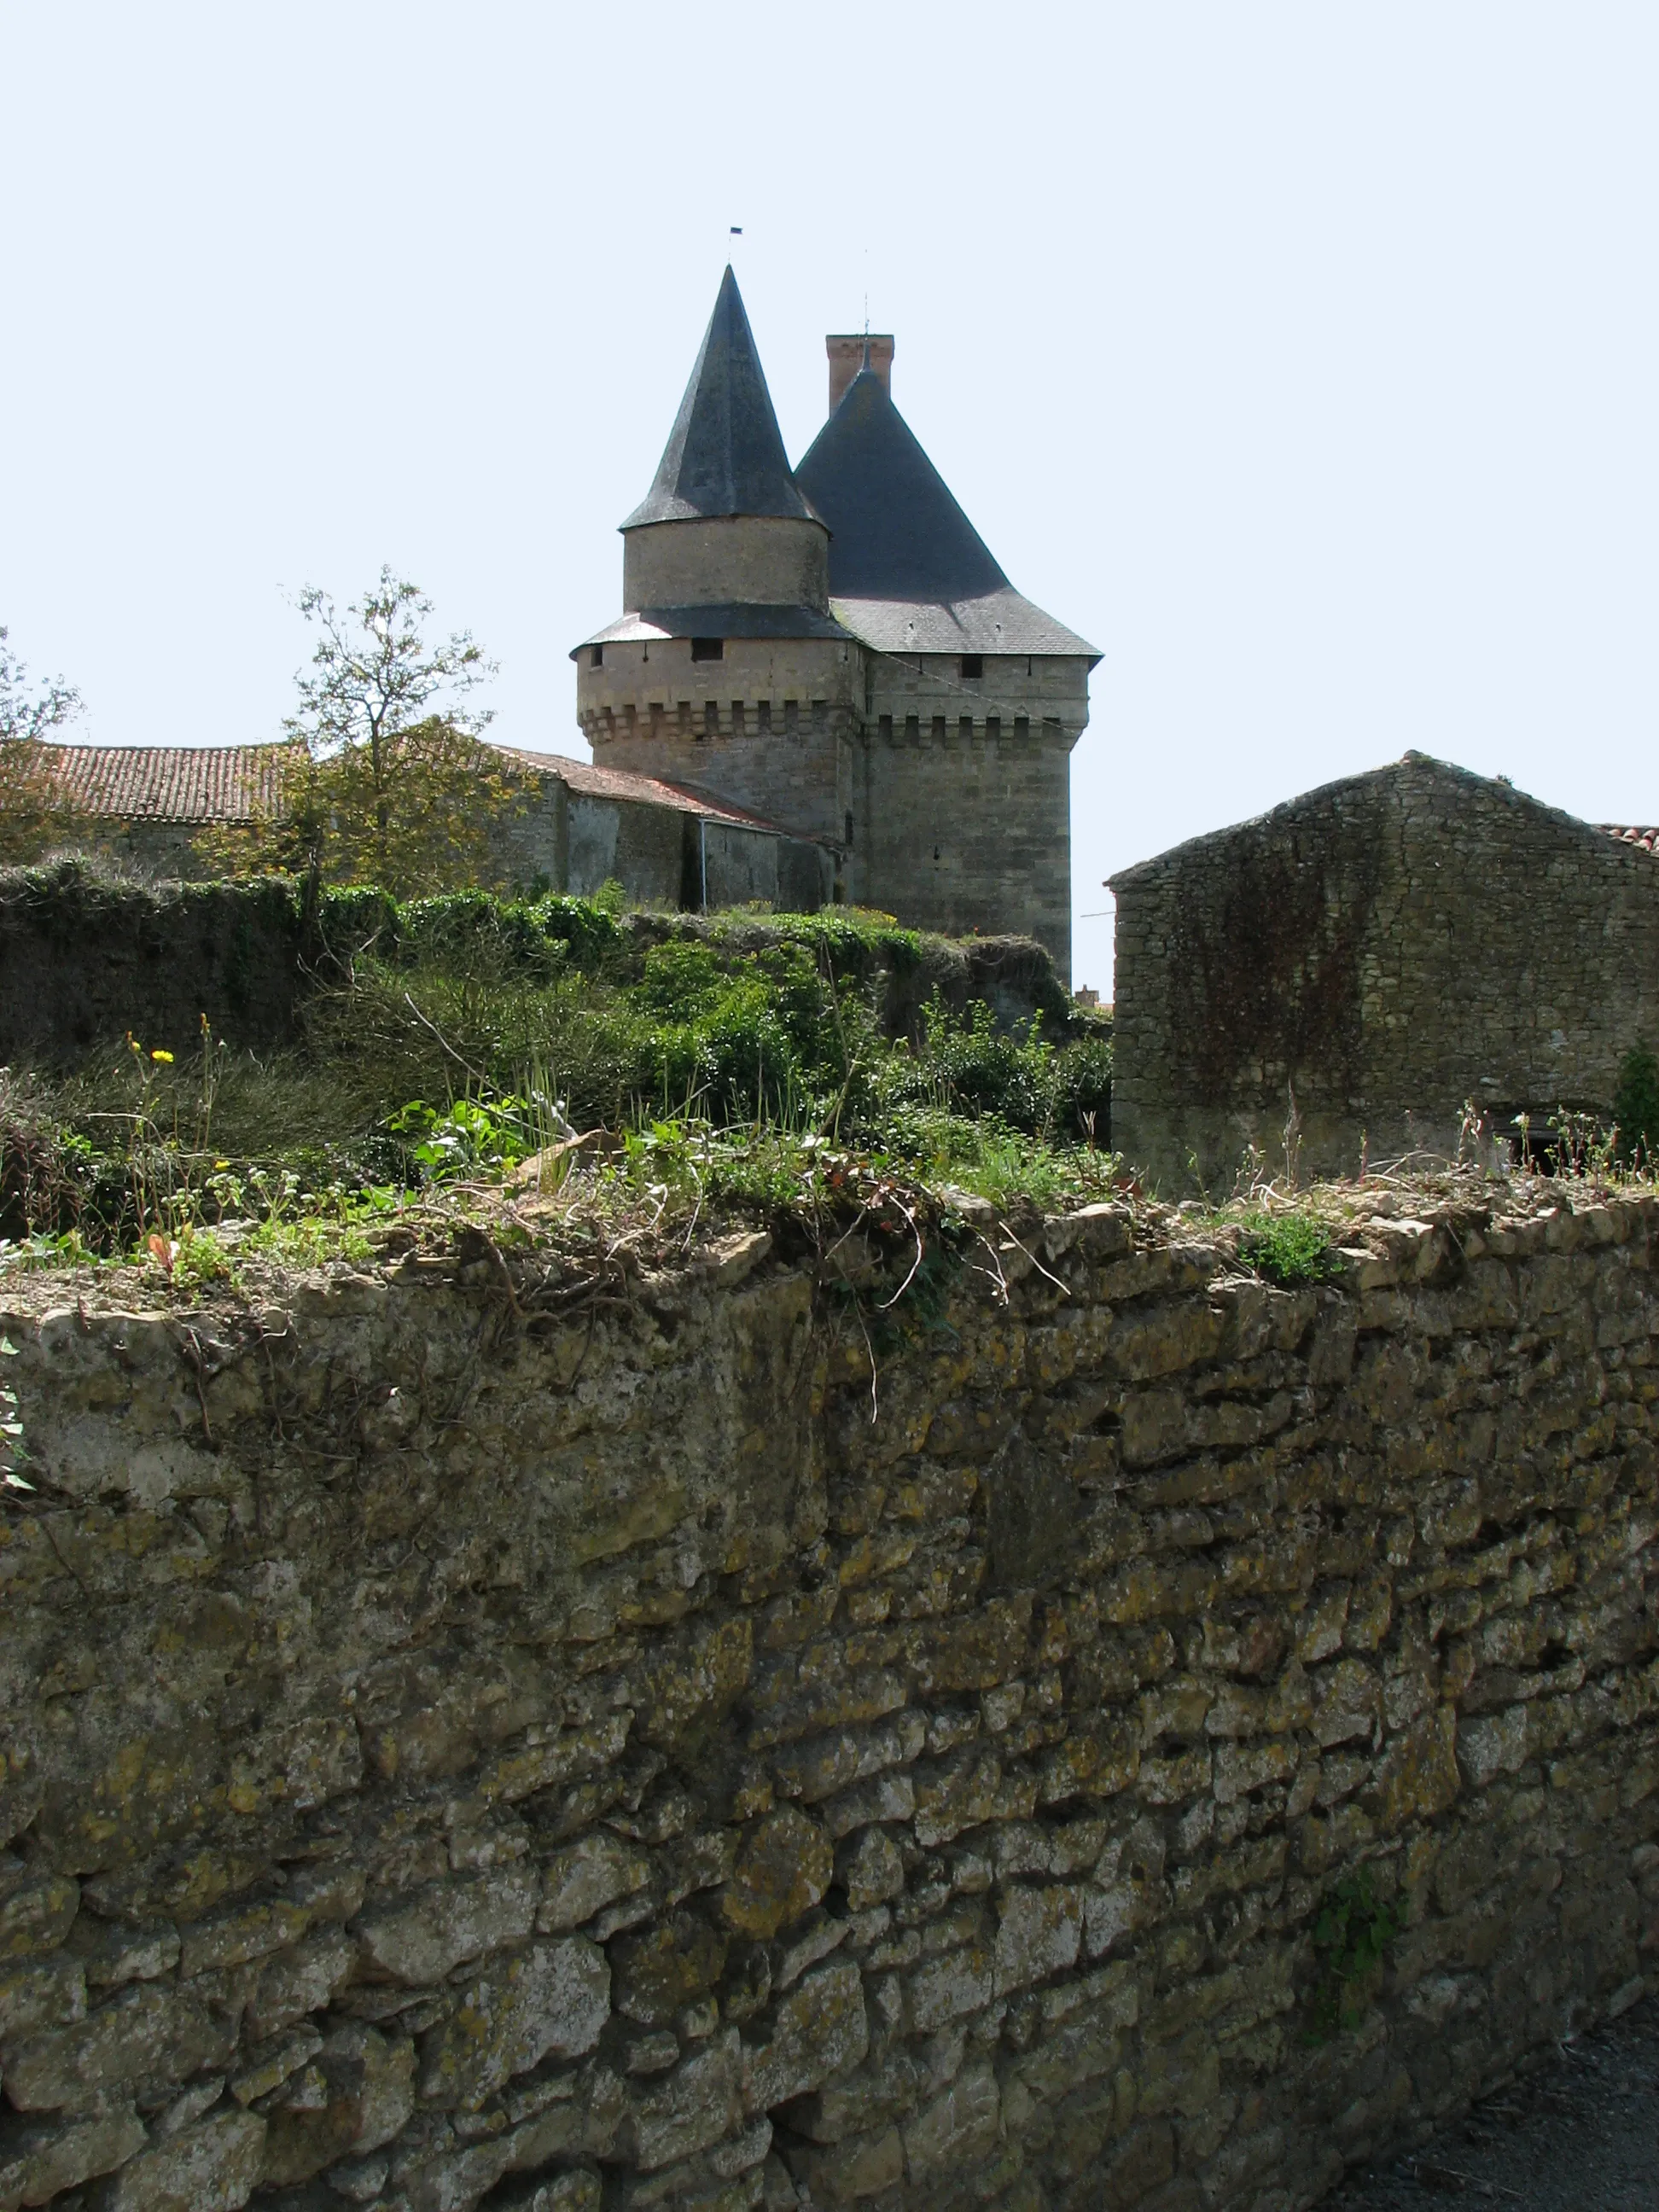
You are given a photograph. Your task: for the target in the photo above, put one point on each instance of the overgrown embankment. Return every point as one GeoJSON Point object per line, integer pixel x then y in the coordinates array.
{"type": "Point", "coordinates": [1098, 1727]}
{"type": "Point", "coordinates": [447, 1041]}
{"type": "Point", "coordinates": [86, 956]}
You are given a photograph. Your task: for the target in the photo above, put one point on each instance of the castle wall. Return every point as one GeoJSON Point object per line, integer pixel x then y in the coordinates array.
{"type": "Point", "coordinates": [753, 559]}
{"type": "Point", "coordinates": [964, 830]}
{"type": "Point", "coordinates": [1015, 686]}
{"type": "Point", "coordinates": [1389, 949]}
{"type": "Point", "coordinates": [458, 1753]}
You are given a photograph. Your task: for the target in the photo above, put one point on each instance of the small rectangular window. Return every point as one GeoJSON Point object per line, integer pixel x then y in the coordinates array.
{"type": "Point", "coordinates": [972, 665]}
{"type": "Point", "coordinates": [708, 648]}
{"type": "Point", "coordinates": [596, 656]}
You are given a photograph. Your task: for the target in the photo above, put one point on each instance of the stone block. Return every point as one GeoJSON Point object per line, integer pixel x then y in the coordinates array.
{"type": "Point", "coordinates": [212, 2168]}
{"type": "Point", "coordinates": [817, 2031]}
{"type": "Point", "coordinates": [38, 2163]}
{"type": "Point", "coordinates": [585, 1876]}
{"type": "Point", "coordinates": [662, 1968]}
{"type": "Point", "coordinates": [959, 2127]}
{"type": "Point", "coordinates": [146, 2034]}
{"type": "Point", "coordinates": [423, 1937]}
{"type": "Point", "coordinates": [829, 1764]}
{"type": "Point", "coordinates": [691, 2108]}
{"type": "Point", "coordinates": [784, 1866]}
{"type": "Point", "coordinates": [300, 1981]}
{"type": "Point", "coordinates": [848, 2171]}
{"type": "Point", "coordinates": [359, 2096]}
{"type": "Point", "coordinates": [553, 1997]}
{"type": "Point", "coordinates": [41, 1993]}
{"type": "Point", "coordinates": [951, 1987]}
{"type": "Point", "coordinates": [36, 1911]}
{"type": "Point", "coordinates": [870, 1869]}
{"type": "Point", "coordinates": [1038, 1932]}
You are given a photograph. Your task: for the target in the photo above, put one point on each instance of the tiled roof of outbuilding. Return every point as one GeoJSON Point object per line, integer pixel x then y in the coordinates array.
{"type": "Point", "coordinates": [590, 781]}
{"type": "Point", "coordinates": [724, 454]}
{"type": "Point", "coordinates": [169, 783]}
{"type": "Point", "coordinates": [1647, 839]}
{"type": "Point", "coordinates": [193, 785]}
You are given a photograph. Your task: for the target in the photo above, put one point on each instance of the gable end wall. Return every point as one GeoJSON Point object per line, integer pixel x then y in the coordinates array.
{"type": "Point", "coordinates": [1388, 948]}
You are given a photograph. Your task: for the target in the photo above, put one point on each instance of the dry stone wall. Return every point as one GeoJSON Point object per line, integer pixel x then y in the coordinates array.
{"type": "Point", "coordinates": [458, 1755]}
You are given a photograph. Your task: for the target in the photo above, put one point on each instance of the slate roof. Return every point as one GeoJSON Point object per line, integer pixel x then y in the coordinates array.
{"type": "Point", "coordinates": [729, 620]}
{"type": "Point", "coordinates": [1001, 622]}
{"type": "Point", "coordinates": [908, 570]}
{"type": "Point", "coordinates": [724, 454]}
{"type": "Point", "coordinates": [167, 783]}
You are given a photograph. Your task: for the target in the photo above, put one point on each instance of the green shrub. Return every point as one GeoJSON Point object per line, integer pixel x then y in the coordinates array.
{"type": "Point", "coordinates": [1635, 1106]}
{"type": "Point", "coordinates": [1286, 1247]}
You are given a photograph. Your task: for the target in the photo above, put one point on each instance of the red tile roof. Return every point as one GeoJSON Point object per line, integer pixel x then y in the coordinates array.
{"type": "Point", "coordinates": [1647, 839]}
{"type": "Point", "coordinates": [169, 783]}
{"type": "Point", "coordinates": [591, 782]}
{"type": "Point", "coordinates": [190, 784]}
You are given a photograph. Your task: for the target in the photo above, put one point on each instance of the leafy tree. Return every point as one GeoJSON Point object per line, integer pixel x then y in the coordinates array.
{"type": "Point", "coordinates": [34, 813]}
{"type": "Point", "coordinates": [385, 780]}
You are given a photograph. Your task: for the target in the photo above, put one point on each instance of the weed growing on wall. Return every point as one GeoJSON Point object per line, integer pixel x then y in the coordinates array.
{"type": "Point", "coordinates": [1287, 1249]}
{"type": "Point", "coordinates": [1352, 1938]}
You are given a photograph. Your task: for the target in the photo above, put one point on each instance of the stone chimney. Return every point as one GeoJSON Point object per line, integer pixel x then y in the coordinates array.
{"type": "Point", "coordinates": [846, 358]}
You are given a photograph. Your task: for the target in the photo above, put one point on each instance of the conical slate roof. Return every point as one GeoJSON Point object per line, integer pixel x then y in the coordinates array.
{"type": "Point", "coordinates": [724, 454]}
{"type": "Point", "coordinates": [909, 573]}
{"type": "Point", "coordinates": [896, 532]}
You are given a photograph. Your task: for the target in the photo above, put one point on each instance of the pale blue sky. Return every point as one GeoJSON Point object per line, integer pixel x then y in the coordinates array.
{"type": "Point", "coordinates": [1302, 356]}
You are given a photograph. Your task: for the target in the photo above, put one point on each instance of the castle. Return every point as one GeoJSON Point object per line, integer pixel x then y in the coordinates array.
{"type": "Point", "coordinates": [835, 649]}
{"type": "Point", "coordinates": [823, 687]}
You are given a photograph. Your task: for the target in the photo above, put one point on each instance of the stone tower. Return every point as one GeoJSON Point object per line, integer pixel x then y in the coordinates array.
{"type": "Point", "coordinates": [835, 647]}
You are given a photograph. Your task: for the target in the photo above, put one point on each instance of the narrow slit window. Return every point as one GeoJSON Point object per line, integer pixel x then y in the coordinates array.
{"type": "Point", "coordinates": [849, 825]}
{"type": "Point", "coordinates": [973, 665]}
{"type": "Point", "coordinates": [596, 656]}
{"type": "Point", "coordinates": [708, 648]}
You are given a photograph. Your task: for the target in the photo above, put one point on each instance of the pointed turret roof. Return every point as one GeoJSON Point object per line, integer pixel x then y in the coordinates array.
{"type": "Point", "coordinates": [907, 571]}
{"type": "Point", "coordinates": [897, 532]}
{"type": "Point", "coordinates": [724, 454]}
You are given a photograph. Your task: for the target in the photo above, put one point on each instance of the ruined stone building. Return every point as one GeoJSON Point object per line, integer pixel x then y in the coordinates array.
{"type": "Point", "coordinates": [835, 647]}
{"type": "Point", "coordinates": [1381, 951]}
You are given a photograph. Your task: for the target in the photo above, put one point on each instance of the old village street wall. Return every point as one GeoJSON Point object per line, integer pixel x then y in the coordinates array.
{"type": "Point", "coordinates": [454, 1756]}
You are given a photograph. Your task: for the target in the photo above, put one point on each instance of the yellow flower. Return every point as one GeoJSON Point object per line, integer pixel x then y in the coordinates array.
{"type": "Point", "coordinates": [165, 1058]}
{"type": "Point", "coordinates": [221, 1163]}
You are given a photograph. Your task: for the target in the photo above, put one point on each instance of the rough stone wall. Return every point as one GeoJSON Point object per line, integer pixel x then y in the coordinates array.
{"type": "Point", "coordinates": [458, 1755]}
{"type": "Point", "coordinates": [82, 962]}
{"type": "Point", "coordinates": [966, 829]}
{"type": "Point", "coordinates": [1389, 947]}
